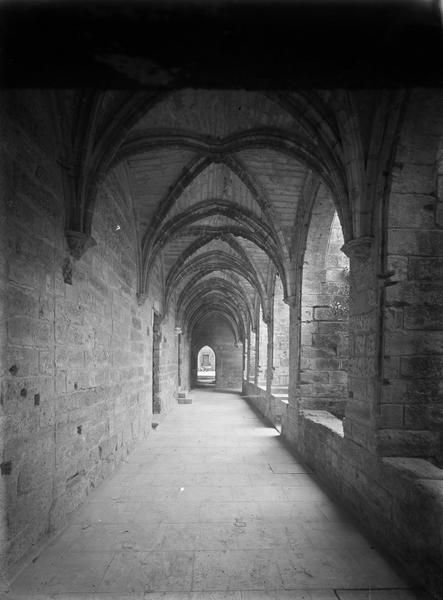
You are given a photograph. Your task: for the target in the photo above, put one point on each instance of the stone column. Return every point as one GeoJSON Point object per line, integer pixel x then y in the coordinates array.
{"type": "Point", "coordinates": [257, 348]}
{"type": "Point", "coordinates": [270, 355]}
{"type": "Point", "coordinates": [294, 346]}
{"type": "Point", "coordinates": [251, 356]}
{"type": "Point", "coordinates": [281, 344]}
{"type": "Point", "coordinates": [289, 417]}
{"type": "Point", "coordinates": [364, 327]}
{"type": "Point", "coordinates": [246, 358]}
{"type": "Point", "coordinates": [263, 352]}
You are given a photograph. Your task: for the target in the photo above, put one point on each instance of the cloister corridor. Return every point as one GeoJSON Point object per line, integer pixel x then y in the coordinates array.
{"type": "Point", "coordinates": [221, 300]}
{"type": "Point", "coordinates": [212, 506]}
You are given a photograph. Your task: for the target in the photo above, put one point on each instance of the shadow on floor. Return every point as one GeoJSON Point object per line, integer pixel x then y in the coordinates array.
{"type": "Point", "coordinates": [212, 506]}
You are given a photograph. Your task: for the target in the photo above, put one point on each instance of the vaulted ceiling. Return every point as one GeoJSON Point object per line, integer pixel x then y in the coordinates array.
{"type": "Point", "coordinates": [215, 192]}
{"type": "Point", "coordinates": [222, 183]}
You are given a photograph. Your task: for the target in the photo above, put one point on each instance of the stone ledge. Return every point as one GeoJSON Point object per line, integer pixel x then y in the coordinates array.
{"type": "Point", "coordinates": [325, 419]}
{"type": "Point", "coordinates": [184, 400]}
{"type": "Point", "coordinates": [282, 397]}
{"type": "Point", "coordinates": [414, 468]}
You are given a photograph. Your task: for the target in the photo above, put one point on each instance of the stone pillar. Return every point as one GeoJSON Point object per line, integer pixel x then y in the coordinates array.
{"type": "Point", "coordinates": [263, 352]}
{"type": "Point", "coordinates": [324, 323]}
{"type": "Point", "coordinates": [246, 358]}
{"type": "Point", "coordinates": [410, 420]}
{"type": "Point", "coordinates": [9, 368]}
{"type": "Point", "coordinates": [257, 348]}
{"type": "Point", "coordinates": [364, 327]}
{"type": "Point", "coordinates": [270, 354]}
{"type": "Point", "coordinates": [294, 346]}
{"type": "Point", "coordinates": [281, 342]}
{"type": "Point", "coordinates": [289, 417]}
{"type": "Point", "coordinates": [251, 356]}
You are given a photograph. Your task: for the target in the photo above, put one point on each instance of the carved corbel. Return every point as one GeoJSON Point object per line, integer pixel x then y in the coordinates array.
{"type": "Point", "coordinates": [141, 298]}
{"type": "Point", "coordinates": [266, 318]}
{"type": "Point", "coordinates": [79, 242]}
{"type": "Point", "coordinates": [359, 248]}
{"type": "Point", "coordinates": [67, 270]}
{"type": "Point", "coordinates": [290, 301]}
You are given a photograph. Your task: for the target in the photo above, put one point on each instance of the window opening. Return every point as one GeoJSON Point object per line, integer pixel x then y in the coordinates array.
{"type": "Point", "coordinates": [206, 369]}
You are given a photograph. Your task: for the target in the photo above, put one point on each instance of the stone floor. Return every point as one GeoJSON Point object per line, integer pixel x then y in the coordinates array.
{"type": "Point", "coordinates": [211, 506]}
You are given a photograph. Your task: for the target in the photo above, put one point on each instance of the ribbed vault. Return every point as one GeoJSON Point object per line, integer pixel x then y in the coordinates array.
{"type": "Point", "coordinates": [222, 184]}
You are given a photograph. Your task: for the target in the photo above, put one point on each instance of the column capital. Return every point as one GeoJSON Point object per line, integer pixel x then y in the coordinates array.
{"type": "Point", "coordinates": [79, 242]}
{"type": "Point", "coordinates": [266, 319]}
{"type": "Point", "coordinates": [360, 248]}
{"type": "Point", "coordinates": [141, 298]}
{"type": "Point", "coordinates": [290, 301]}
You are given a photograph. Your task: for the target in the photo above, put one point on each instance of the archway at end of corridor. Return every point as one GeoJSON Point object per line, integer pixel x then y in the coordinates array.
{"type": "Point", "coordinates": [206, 366]}
{"type": "Point", "coordinates": [216, 333]}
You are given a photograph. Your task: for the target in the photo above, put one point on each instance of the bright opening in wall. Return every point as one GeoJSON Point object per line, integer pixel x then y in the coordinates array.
{"type": "Point", "coordinates": [206, 366]}
{"type": "Point", "coordinates": [280, 375]}
{"type": "Point", "coordinates": [324, 351]}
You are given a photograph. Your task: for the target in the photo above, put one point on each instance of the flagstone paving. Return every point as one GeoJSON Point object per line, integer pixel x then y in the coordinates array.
{"type": "Point", "coordinates": [212, 506]}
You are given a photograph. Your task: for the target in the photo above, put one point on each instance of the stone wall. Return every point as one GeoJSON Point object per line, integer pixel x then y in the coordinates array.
{"type": "Point", "coordinates": [216, 333]}
{"type": "Point", "coordinates": [185, 364]}
{"type": "Point", "coordinates": [398, 501]}
{"type": "Point", "coordinates": [262, 357]}
{"type": "Point", "coordinates": [5, 193]}
{"type": "Point", "coordinates": [280, 376]}
{"type": "Point", "coordinates": [31, 186]}
{"type": "Point", "coordinates": [156, 343]}
{"type": "Point", "coordinates": [251, 358]}
{"type": "Point", "coordinates": [411, 412]}
{"type": "Point", "coordinates": [271, 406]}
{"type": "Point", "coordinates": [168, 365]}
{"type": "Point", "coordinates": [76, 367]}
{"type": "Point", "coordinates": [324, 314]}
{"type": "Point", "coordinates": [394, 370]}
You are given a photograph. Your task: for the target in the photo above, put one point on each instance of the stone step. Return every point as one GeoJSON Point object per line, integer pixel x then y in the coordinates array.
{"type": "Point", "coordinates": [182, 400]}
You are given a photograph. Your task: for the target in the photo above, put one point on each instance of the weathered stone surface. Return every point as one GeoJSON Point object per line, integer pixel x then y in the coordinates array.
{"type": "Point", "coordinates": [391, 415]}
{"type": "Point", "coordinates": [422, 366]}
{"type": "Point", "coordinates": [228, 358]}
{"type": "Point", "coordinates": [427, 269]}
{"type": "Point", "coordinates": [416, 443]}
{"type": "Point", "coordinates": [411, 210]}
{"type": "Point", "coordinates": [59, 400]}
{"type": "Point", "coordinates": [420, 342]}
{"type": "Point", "coordinates": [190, 234]}
{"type": "Point", "coordinates": [416, 468]}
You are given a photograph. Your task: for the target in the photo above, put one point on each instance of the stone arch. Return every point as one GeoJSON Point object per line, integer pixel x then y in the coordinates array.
{"type": "Point", "coordinates": [213, 329]}
{"type": "Point", "coordinates": [325, 164]}
{"type": "Point", "coordinates": [259, 232]}
{"type": "Point", "coordinates": [233, 288]}
{"type": "Point", "coordinates": [324, 313]}
{"type": "Point", "coordinates": [193, 293]}
{"type": "Point", "coordinates": [223, 308]}
{"type": "Point", "coordinates": [203, 366]}
{"type": "Point", "coordinates": [107, 143]}
{"type": "Point", "coordinates": [206, 263]}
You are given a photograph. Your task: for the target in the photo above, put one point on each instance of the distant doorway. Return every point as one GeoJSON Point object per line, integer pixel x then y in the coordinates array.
{"type": "Point", "coordinates": [206, 366]}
